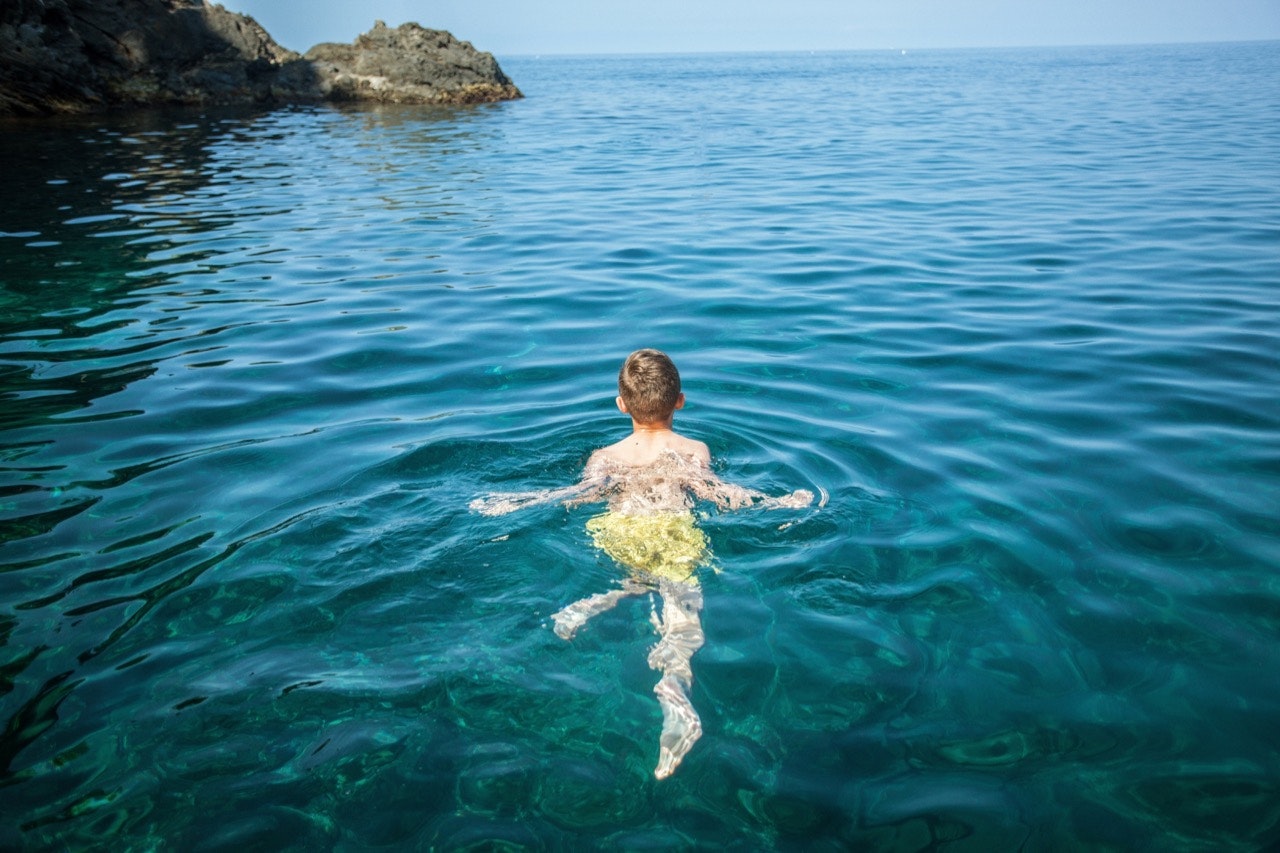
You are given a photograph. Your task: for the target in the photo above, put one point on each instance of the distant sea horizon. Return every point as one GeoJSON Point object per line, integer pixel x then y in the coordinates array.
{"type": "Point", "coordinates": [519, 55]}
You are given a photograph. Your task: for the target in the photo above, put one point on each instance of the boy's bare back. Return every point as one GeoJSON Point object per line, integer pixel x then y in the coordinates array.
{"type": "Point", "coordinates": [669, 481]}
{"type": "Point", "coordinates": [651, 470]}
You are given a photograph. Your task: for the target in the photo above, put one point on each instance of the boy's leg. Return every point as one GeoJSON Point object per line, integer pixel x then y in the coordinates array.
{"type": "Point", "coordinates": [680, 629]}
{"type": "Point", "coordinates": [681, 727]}
{"type": "Point", "coordinates": [573, 617]}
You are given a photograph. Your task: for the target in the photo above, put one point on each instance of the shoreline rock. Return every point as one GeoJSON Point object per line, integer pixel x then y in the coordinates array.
{"type": "Point", "coordinates": [69, 56]}
{"type": "Point", "coordinates": [409, 64]}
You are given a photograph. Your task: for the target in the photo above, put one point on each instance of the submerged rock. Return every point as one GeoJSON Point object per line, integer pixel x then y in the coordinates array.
{"type": "Point", "coordinates": [77, 55]}
{"type": "Point", "coordinates": [409, 64]}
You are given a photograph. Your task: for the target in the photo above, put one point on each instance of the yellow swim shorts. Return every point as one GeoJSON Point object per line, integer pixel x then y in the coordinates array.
{"type": "Point", "coordinates": [668, 544]}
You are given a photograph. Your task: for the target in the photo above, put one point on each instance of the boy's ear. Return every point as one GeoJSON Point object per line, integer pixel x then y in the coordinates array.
{"type": "Point", "coordinates": [622, 406]}
{"type": "Point", "coordinates": [680, 401]}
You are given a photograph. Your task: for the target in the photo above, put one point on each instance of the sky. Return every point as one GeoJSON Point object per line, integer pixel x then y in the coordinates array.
{"type": "Point", "coordinates": [537, 27]}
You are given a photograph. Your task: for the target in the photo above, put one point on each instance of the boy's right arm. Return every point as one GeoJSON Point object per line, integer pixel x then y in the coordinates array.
{"type": "Point", "coordinates": [585, 490]}
{"type": "Point", "coordinates": [501, 503]}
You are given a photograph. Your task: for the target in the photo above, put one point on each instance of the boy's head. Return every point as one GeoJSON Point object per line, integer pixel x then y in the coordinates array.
{"type": "Point", "coordinates": [649, 386]}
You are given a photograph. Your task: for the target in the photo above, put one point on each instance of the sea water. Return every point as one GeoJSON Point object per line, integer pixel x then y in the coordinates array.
{"type": "Point", "coordinates": [1014, 313]}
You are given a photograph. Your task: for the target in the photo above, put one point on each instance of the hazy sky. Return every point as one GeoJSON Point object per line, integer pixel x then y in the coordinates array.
{"type": "Point", "coordinates": [523, 27]}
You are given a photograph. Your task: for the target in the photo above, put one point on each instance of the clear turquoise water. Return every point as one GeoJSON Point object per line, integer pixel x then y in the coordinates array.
{"type": "Point", "coordinates": [1015, 312]}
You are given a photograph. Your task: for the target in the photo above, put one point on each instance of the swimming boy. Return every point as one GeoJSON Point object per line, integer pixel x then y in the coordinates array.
{"type": "Point", "coordinates": [651, 480]}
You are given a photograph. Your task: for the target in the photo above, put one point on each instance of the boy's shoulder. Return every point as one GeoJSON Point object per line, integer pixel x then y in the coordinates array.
{"type": "Point", "coordinates": [636, 451]}
{"type": "Point", "coordinates": [691, 447]}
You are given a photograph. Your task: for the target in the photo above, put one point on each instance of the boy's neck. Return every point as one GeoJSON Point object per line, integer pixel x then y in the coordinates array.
{"type": "Point", "coordinates": [657, 426]}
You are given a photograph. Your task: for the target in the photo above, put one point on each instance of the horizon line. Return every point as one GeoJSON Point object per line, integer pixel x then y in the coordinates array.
{"type": "Point", "coordinates": [898, 49]}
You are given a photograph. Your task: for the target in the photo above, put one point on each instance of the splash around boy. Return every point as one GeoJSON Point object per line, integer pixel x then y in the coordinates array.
{"type": "Point", "coordinates": [651, 480]}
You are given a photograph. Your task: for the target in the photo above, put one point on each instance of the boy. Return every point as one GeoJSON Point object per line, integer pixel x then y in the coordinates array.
{"type": "Point", "coordinates": [651, 479]}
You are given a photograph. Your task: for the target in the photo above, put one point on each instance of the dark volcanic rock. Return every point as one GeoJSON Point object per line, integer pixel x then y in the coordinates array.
{"type": "Point", "coordinates": [76, 55]}
{"type": "Point", "coordinates": [409, 64]}
{"type": "Point", "coordinates": [73, 55]}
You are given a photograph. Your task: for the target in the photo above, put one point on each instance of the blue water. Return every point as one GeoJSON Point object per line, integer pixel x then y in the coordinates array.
{"type": "Point", "coordinates": [1014, 312]}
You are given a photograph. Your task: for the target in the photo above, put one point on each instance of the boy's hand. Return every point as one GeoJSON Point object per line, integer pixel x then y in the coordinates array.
{"type": "Point", "coordinates": [799, 499]}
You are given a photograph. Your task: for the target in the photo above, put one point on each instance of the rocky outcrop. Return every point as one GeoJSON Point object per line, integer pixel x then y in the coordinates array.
{"type": "Point", "coordinates": [409, 64]}
{"type": "Point", "coordinates": [77, 55]}
{"type": "Point", "coordinates": [73, 55]}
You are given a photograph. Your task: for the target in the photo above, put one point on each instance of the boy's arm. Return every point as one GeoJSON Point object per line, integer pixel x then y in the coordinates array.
{"type": "Point", "coordinates": [732, 496]}
{"type": "Point", "coordinates": [595, 479]}
{"type": "Point", "coordinates": [585, 490]}
{"type": "Point", "coordinates": [501, 503]}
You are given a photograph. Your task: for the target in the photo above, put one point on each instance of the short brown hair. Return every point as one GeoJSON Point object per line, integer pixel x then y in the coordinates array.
{"type": "Point", "coordinates": [650, 385]}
